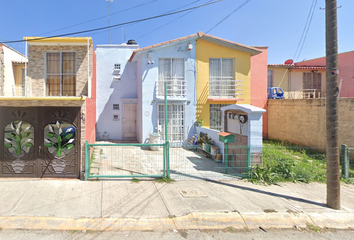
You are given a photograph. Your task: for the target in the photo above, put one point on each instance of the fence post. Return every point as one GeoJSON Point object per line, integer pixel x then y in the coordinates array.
{"type": "Point", "coordinates": [168, 158]}
{"type": "Point", "coordinates": [248, 161]}
{"type": "Point", "coordinates": [344, 160]}
{"type": "Point", "coordinates": [226, 155]}
{"type": "Point", "coordinates": [87, 162]}
{"type": "Point", "coordinates": [164, 160]}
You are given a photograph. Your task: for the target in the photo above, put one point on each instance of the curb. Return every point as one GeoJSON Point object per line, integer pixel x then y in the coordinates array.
{"type": "Point", "coordinates": [202, 221]}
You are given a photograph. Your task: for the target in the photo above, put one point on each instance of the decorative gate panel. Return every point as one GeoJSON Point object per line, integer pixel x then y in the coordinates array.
{"type": "Point", "coordinates": [39, 142]}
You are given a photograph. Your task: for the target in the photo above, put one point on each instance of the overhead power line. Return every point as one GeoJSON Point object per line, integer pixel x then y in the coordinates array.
{"type": "Point", "coordinates": [92, 20]}
{"type": "Point", "coordinates": [227, 16]}
{"type": "Point", "coordinates": [120, 24]}
{"type": "Point", "coordinates": [305, 31]}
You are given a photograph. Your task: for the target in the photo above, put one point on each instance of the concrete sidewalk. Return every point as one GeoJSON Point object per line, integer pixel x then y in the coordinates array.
{"type": "Point", "coordinates": [147, 205]}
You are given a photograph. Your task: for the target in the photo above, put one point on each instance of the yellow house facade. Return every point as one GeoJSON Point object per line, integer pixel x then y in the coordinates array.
{"type": "Point", "coordinates": [223, 77]}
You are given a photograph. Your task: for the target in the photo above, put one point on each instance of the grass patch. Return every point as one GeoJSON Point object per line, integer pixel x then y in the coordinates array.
{"type": "Point", "coordinates": [164, 180]}
{"type": "Point", "coordinates": [230, 229]}
{"type": "Point", "coordinates": [135, 180]}
{"type": "Point", "coordinates": [269, 211]}
{"type": "Point", "coordinates": [284, 162]}
{"type": "Point", "coordinates": [313, 227]}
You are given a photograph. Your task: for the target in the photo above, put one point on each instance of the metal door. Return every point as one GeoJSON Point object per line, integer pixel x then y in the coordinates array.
{"type": "Point", "coordinates": [129, 121]}
{"type": "Point", "coordinates": [24, 139]}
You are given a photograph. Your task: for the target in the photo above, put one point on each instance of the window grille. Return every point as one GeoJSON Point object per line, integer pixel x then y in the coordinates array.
{"type": "Point", "coordinates": [115, 106]}
{"type": "Point", "coordinates": [115, 117]}
{"type": "Point", "coordinates": [215, 116]}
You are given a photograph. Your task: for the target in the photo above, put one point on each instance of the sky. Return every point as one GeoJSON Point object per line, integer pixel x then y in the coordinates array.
{"type": "Point", "coordinates": [278, 24]}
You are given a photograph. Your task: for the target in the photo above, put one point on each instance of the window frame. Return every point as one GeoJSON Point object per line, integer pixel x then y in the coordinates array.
{"type": "Point", "coordinates": [115, 106]}
{"type": "Point", "coordinates": [61, 74]}
{"type": "Point", "coordinates": [218, 128]}
{"type": "Point", "coordinates": [218, 80]}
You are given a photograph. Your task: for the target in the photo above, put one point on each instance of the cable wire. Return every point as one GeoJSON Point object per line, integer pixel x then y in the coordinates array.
{"type": "Point", "coordinates": [119, 24]}
{"type": "Point", "coordinates": [227, 16]}
{"type": "Point", "coordinates": [124, 10]}
{"type": "Point", "coordinates": [305, 30]}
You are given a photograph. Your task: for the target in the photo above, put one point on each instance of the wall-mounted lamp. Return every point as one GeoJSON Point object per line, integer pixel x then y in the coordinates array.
{"type": "Point", "coordinates": [151, 62]}
{"type": "Point", "coordinates": [189, 46]}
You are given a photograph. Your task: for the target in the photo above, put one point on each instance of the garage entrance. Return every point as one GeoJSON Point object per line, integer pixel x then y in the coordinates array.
{"type": "Point", "coordinates": [40, 142]}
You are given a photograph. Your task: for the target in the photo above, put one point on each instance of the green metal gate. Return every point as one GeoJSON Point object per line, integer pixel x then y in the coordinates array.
{"type": "Point", "coordinates": [126, 160]}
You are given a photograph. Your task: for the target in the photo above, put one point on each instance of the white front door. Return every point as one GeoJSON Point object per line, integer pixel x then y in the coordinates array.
{"type": "Point", "coordinates": [129, 121]}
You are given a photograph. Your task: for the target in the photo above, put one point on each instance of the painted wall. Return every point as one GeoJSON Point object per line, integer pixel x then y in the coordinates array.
{"type": "Point", "coordinates": [111, 92]}
{"type": "Point", "coordinates": [148, 112]}
{"type": "Point", "coordinates": [9, 71]}
{"type": "Point", "coordinates": [206, 50]}
{"type": "Point", "coordinates": [346, 71]}
{"type": "Point", "coordinates": [281, 79]}
{"type": "Point", "coordinates": [259, 83]}
{"type": "Point", "coordinates": [90, 115]}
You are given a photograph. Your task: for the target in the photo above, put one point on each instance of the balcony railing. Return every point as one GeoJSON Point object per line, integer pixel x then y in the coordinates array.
{"type": "Point", "coordinates": [175, 88]}
{"type": "Point", "coordinates": [304, 94]}
{"type": "Point", "coordinates": [225, 88]}
{"type": "Point", "coordinates": [16, 91]}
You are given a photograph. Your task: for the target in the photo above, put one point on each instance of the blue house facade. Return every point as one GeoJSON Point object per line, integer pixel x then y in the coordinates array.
{"type": "Point", "coordinates": [172, 62]}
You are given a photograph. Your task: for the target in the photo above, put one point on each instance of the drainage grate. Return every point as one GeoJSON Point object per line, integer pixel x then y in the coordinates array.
{"type": "Point", "coordinates": [191, 193]}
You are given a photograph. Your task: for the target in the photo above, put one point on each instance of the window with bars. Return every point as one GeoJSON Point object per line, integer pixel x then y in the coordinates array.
{"type": "Point", "coordinates": [215, 116]}
{"type": "Point", "coordinates": [115, 106]}
{"type": "Point", "coordinates": [60, 74]}
{"type": "Point", "coordinates": [311, 84]}
{"type": "Point", "coordinates": [115, 117]}
{"type": "Point", "coordinates": [171, 70]}
{"type": "Point", "coordinates": [117, 66]}
{"type": "Point", "coordinates": [222, 77]}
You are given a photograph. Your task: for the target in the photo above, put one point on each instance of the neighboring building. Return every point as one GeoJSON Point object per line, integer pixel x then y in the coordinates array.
{"type": "Point", "coordinates": [307, 79]}
{"type": "Point", "coordinates": [55, 116]}
{"type": "Point", "coordinates": [12, 72]}
{"type": "Point", "coordinates": [116, 92]}
{"type": "Point", "coordinates": [298, 81]}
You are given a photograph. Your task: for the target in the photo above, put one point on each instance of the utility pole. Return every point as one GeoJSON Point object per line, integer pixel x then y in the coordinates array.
{"type": "Point", "coordinates": [333, 176]}
{"type": "Point", "coordinates": [109, 23]}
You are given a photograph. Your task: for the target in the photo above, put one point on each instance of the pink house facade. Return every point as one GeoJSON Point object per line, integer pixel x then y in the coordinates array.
{"type": "Point", "coordinates": [346, 71]}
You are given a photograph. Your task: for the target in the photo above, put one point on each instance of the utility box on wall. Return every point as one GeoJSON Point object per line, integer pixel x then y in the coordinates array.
{"type": "Point", "coordinates": [244, 123]}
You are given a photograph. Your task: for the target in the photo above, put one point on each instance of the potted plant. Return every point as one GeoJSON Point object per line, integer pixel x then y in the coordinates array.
{"type": "Point", "coordinates": [206, 142]}
{"type": "Point", "coordinates": [59, 144]}
{"type": "Point", "coordinates": [18, 143]}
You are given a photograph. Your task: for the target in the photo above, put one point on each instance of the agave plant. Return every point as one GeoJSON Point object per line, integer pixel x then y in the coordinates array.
{"type": "Point", "coordinates": [18, 139]}
{"type": "Point", "coordinates": [61, 141]}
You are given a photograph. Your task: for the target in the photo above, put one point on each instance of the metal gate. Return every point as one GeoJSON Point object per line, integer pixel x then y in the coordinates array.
{"type": "Point", "coordinates": [127, 160]}
{"type": "Point", "coordinates": [40, 142]}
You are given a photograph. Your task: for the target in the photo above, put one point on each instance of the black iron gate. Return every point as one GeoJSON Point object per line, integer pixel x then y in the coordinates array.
{"type": "Point", "coordinates": [40, 142]}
